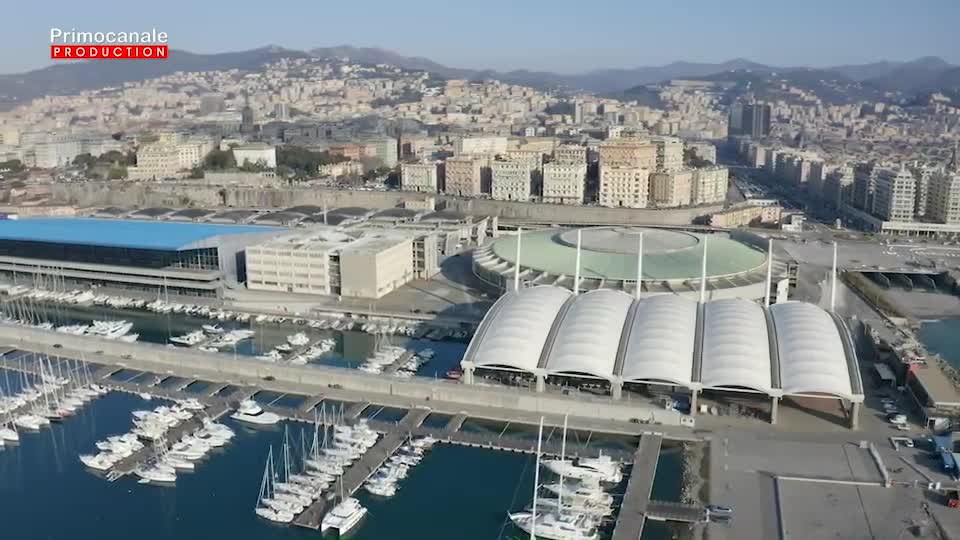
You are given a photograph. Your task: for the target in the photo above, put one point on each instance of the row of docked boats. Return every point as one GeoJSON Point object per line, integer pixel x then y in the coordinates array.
{"type": "Point", "coordinates": [385, 481]}
{"type": "Point", "coordinates": [576, 505]}
{"type": "Point", "coordinates": [294, 343]}
{"type": "Point", "coordinates": [52, 392]}
{"type": "Point", "coordinates": [113, 330]}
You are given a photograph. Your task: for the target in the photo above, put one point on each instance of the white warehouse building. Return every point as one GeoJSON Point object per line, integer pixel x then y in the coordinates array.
{"type": "Point", "coordinates": [790, 349]}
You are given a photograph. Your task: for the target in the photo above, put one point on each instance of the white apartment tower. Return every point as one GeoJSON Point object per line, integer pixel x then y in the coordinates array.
{"type": "Point", "coordinates": [624, 186]}
{"type": "Point", "coordinates": [563, 183]}
{"type": "Point", "coordinates": [894, 194]}
{"type": "Point", "coordinates": [944, 197]}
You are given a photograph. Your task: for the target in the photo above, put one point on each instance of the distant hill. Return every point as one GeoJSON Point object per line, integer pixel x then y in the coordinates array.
{"type": "Point", "coordinates": [923, 74]}
{"type": "Point", "coordinates": [74, 77]}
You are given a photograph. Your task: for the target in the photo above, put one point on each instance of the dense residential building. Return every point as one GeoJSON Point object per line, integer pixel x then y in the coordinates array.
{"type": "Point", "coordinates": [463, 176]}
{"type": "Point", "coordinates": [156, 162]}
{"type": "Point", "coordinates": [570, 154]}
{"type": "Point", "coordinates": [481, 145]}
{"type": "Point", "coordinates": [746, 215]}
{"type": "Point", "coordinates": [751, 119]}
{"type": "Point", "coordinates": [510, 180]}
{"type": "Point", "coordinates": [944, 197]}
{"type": "Point", "coordinates": [564, 182]}
{"type": "Point", "coordinates": [669, 153]}
{"type": "Point", "coordinates": [704, 150]}
{"type": "Point", "coordinates": [895, 194]}
{"type": "Point", "coordinates": [671, 188]}
{"type": "Point", "coordinates": [628, 153]}
{"type": "Point", "coordinates": [838, 186]}
{"type": "Point", "coordinates": [710, 185]}
{"type": "Point", "coordinates": [864, 184]}
{"type": "Point", "coordinates": [624, 186]}
{"type": "Point", "coordinates": [419, 177]}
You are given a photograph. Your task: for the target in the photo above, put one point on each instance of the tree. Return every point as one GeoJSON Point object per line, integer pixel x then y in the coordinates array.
{"type": "Point", "coordinates": [304, 163]}
{"type": "Point", "coordinates": [219, 160]}
{"type": "Point", "coordinates": [12, 165]}
{"type": "Point", "coordinates": [113, 156]}
{"type": "Point", "coordinates": [117, 173]}
{"type": "Point", "coordinates": [195, 173]}
{"type": "Point", "coordinates": [84, 160]}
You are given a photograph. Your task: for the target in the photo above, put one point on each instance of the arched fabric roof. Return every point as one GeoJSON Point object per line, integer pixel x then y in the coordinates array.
{"type": "Point", "coordinates": [812, 357]}
{"type": "Point", "coordinates": [736, 347]}
{"type": "Point", "coordinates": [661, 341]}
{"type": "Point", "coordinates": [587, 340]}
{"type": "Point", "coordinates": [518, 330]}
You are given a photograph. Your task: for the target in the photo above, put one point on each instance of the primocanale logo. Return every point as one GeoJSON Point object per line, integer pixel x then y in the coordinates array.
{"type": "Point", "coordinates": [77, 45]}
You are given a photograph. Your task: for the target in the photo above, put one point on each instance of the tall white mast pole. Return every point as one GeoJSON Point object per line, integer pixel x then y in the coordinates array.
{"type": "Point", "coordinates": [703, 273]}
{"type": "Point", "coordinates": [639, 266]}
{"type": "Point", "coordinates": [563, 456]}
{"type": "Point", "coordinates": [536, 485]}
{"type": "Point", "coordinates": [833, 280]}
{"type": "Point", "coordinates": [766, 295]}
{"type": "Point", "coordinates": [516, 264]}
{"type": "Point", "coordinates": [576, 272]}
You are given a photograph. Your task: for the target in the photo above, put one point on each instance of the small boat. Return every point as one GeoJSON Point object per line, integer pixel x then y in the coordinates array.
{"type": "Point", "coordinates": [251, 413]}
{"type": "Point", "coordinates": [212, 329]}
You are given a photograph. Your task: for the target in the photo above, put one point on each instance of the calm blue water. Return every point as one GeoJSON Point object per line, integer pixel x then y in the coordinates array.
{"type": "Point", "coordinates": [351, 350]}
{"type": "Point", "coordinates": [46, 493]}
{"type": "Point", "coordinates": [942, 337]}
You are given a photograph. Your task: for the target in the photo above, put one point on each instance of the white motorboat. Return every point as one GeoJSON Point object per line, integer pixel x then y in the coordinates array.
{"type": "Point", "coordinates": [99, 462]}
{"type": "Point", "coordinates": [157, 473]}
{"type": "Point", "coordinates": [593, 509]}
{"type": "Point", "coordinates": [298, 340]}
{"type": "Point", "coordinates": [190, 339]}
{"type": "Point", "coordinates": [554, 526]}
{"type": "Point", "coordinates": [251, 413]}
{"type": "Point", "coordinates": [597, 469]}
{"type": "Point", "coordinates": [381, 488]}
{"type": "Point", "coordinates": [343, 517]}
{"type": "Point", "coordinates": [9, 433]}
{"type": "Point", "coordinates": [274, 515]}
{"type": "Point", "coordinates": [30, 422]}
{"type": "Point", "coordinates": [212, 329]}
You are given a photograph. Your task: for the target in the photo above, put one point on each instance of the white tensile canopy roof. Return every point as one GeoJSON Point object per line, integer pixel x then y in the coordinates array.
{"type": "Point", "coordinates": [587, 340]}
{"type": "Point", "coordinates": [812, 357]}
{"type": "Point", "coordinates": [736, 348]}
{"type": "Point", "coordinates": [661, 341]}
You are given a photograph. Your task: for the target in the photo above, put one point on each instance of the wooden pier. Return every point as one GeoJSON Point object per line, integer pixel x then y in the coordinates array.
{"type": "Point", "coordinates": [639, 488]}
{"type": "Point", "coordinates": [395, 365]}
{"type": "Point", "coordinates": [359, 472]}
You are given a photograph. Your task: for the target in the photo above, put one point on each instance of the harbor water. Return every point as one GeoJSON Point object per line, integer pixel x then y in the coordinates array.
{"type": "Point", "coordinates": [46, 493]}
{"type": "Point", "coordinates": [942, 337]}
{"type": "Point", "coordinates": [352, 347]}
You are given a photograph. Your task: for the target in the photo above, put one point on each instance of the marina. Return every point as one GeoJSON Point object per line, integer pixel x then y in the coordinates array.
{"type": "Point", "coordinates": [394, 434]}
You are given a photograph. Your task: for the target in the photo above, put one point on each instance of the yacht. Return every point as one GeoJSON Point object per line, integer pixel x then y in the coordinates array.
{"type": "Point", "coordinates": [553, 526]}
{"type": "Point", "coordinates": [9, 433]}
{"type": "Point", "coordinates": [99, 462]}
{"type": "Point", "coordinates": [602, 469]}
{"type": "Point", "coordinates": [30, 422]}
{"type": "Point", "coordinates": [272, 356]}
{"type": "Point", "coordinates": [157, 473]}
{"type": "Point", "coordinates": [343, 517]}
{"type": "Point", "coordinates": [581, 492]}
{"type": "Point", "coordinates": [276, 516]}
{"type": "Point", "coordinates": [212, 328]}
{"type": "Point", "coordinates": [381, 487]}
{"type": "Point", "coordinates": [298, 340]}
{"type": "Point", "coordinates": [190, 339]}
{"type": "Point", "coordinates": [250, 412]}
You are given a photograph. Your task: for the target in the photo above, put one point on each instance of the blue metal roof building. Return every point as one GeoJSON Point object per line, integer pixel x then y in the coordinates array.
{"type": "Point", "coordinates": [184, 258]}
{"type": "Point", "coordinates": [120, 233]}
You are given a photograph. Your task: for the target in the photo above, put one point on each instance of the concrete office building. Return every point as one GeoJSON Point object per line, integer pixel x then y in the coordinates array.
{"type": "Point", "coordinates": [668, 189]}
{"type": "Point", "coordinates": [420, 177]}
{"type": "Point", "coordinates": [510, 180]}
{"type": "Point", "coordinates": [463, 176]}
{"type": "Point", "coordinates": [710, 185]}
{"type": "Point", "coordinates": [895, 194]}
{"type": "Point", "coordinates": [325, 261]}
{"type": "Point", "coordinates": [563, 183]}
{"type": "Point", "coordinates": [626, 187]}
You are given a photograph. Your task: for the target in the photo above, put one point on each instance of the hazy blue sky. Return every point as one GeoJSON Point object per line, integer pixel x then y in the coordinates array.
{"type": "Point", "coordinates": [558, 35]}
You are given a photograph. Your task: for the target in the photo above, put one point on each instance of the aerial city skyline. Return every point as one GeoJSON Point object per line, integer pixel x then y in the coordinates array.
{"type": "Point", "coordinates": [556, 271]}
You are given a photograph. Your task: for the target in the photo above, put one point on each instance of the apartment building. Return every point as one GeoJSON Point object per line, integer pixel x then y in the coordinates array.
{"type": "Point", "coordinates": [420, 177]}
{"type": "Point", "coordinates": [626, 187]}
{"type": "Point", "coordinates": [510, 180]}
{"type": "Point", "coordinates": [563, 182]}
{"type": "Point", "coordinates": [894, 195]}
{"type": "Point", "coordinates": [710, 185]}
{"type": "Point", "coordinates": [463, 176]}
{"type": "Point", "coordinates": [668, 189]}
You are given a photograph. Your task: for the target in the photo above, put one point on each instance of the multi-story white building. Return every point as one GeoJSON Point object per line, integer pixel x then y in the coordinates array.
{"type": "Point", "coordinates": [944, 197]}
{"type": "Point", "coordinates": [420, 177]}
{"type": "Point", "coordinates": [708, 152]}
{"type": "Point", "coordinates": [894, 195]}
{"type": "Point", "coordinates": [261, 154]}
{"type": "Point", "coordinates": [463, 176]}
{"type": "Point", "coordinates": [626, 187]}
{"type": "Point", "coordinates": [669, 153]}
{"type": "Point", "coordinates": [668, 189]}
{"type": "Point", "coordinates": [324, 261]}
{"type": "Point", "coordinates": [570, 154]}
{"type": "Point", "coordinates": [510, 180]}
{"type": "Point", "coordinates": [710, 185]}
{"type": "Point", "coordinates": [481, 145]}
{"type": "Point", "coordinates": [563, 182]}
{"type": "Point", "coordinates": [156, 162]}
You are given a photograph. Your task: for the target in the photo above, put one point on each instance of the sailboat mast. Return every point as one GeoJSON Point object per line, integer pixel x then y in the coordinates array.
{"type": "Point", "coordinates": [563, 453]}
{"type": "Point", "coordinates": [536, 484]}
